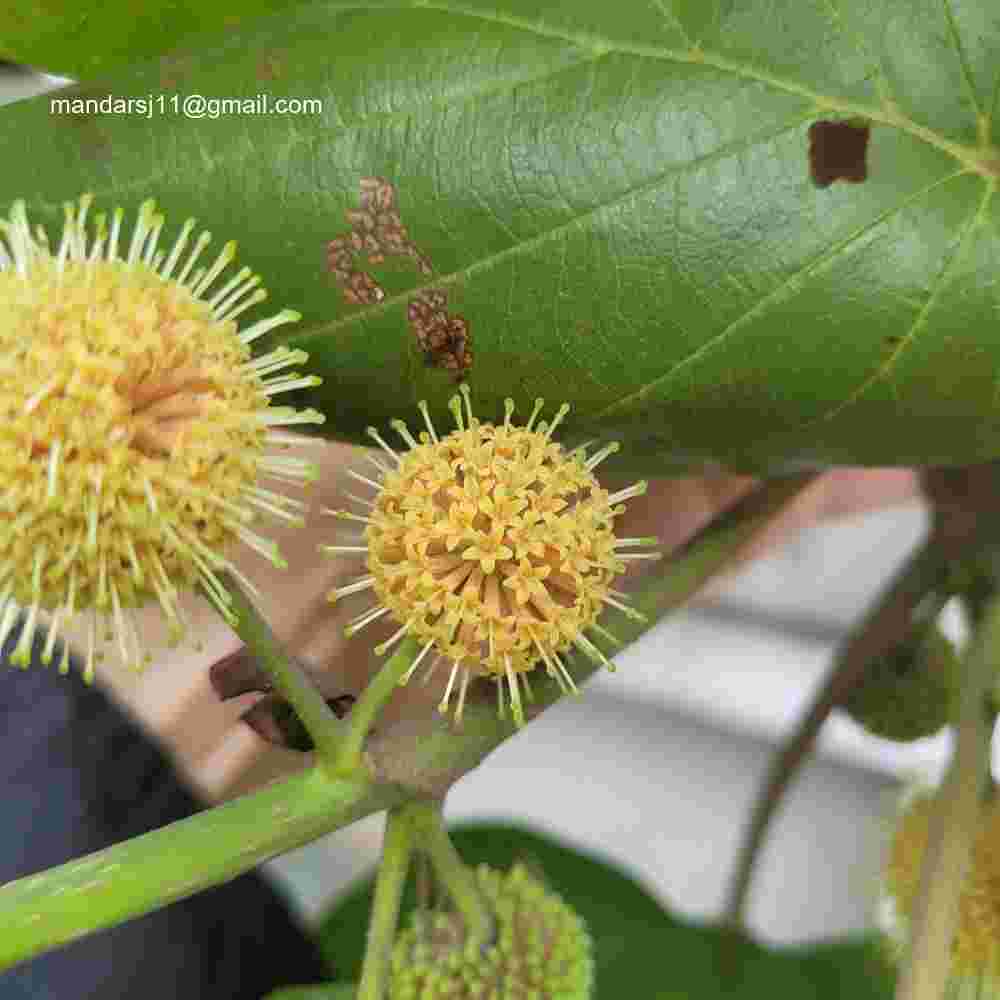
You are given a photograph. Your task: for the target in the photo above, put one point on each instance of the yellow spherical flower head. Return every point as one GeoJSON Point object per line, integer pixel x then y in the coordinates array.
{"type": "Point", "coordinates": [542, 948]}
{"type": "Point", "coordinates": [493, 546]}
{"type": "Point", "coordinates": [976, 948]}
{"type": "Point", "coordinates": [134, 425]}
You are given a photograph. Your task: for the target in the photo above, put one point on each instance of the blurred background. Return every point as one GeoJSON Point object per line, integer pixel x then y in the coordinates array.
{"type": "Point", "coordinates": [656, 765]}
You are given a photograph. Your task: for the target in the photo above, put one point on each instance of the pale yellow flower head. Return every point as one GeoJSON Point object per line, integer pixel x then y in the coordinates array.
{"type": "Point", "coordinates": [136, 429]}
{"type": "Point", "coordinates": [492, 546]}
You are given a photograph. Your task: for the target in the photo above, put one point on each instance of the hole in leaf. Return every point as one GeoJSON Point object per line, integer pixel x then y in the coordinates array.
{"type": "Point", "coordinates": [838, 151]}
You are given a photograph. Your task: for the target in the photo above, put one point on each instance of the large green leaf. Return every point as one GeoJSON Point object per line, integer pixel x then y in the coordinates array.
{"type": "Point", "coordinates": [640, 950]}
{"type": "Point", "coordinates": [617, 198]}
{"type": "Point", "coordinates": [82, 37]}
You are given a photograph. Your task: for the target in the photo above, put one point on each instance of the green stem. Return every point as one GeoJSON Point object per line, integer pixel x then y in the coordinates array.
{"type": "Point", "coordinates": [954, 823]}
{"type": "Point", "coordinates": [289, 680]}
{"type": "Point", "coordinates": [451, 871]}
{"type": "Point", "coordinates": [376, 693]}
{"type": "Point", "coordinates": [42, 911]}
{"type": "Point", "coordinates": [397, 847]}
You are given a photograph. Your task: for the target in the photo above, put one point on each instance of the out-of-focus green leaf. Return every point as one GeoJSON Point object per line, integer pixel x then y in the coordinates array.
{"type": "Point", "coordinates": [640, 950]}
{"type": "Point", "coordinates": [616, 198]}
{"type": "Point", "coordinates": [333, 991]}
{"type": "Point", "coordinates": [81, 38]}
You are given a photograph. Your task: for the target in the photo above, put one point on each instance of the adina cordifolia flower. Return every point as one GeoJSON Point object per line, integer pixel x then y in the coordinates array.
{"type": "Point", "coordinates": [135, 426]}
{"type": "Point", "coordinates": [492, 546]}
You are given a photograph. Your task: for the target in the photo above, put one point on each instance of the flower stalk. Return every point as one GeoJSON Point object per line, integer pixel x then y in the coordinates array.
{"type": "Point", "coordinates": [326, 730]}
{"type": "Point", "coordinates": [451, 871]}
{"type": "Point", "coordinates": [397, 848]}
{"type": "Point", "coordinates": [372, 700]}
{"type": "Point", "coordinates": [954, 823]}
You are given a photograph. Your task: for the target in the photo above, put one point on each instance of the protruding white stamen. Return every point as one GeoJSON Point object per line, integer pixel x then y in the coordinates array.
{"type": "Point", "coordinates": [241, 275]}
{"type": "Point", "coordinates": [404, 432]}
{"type": "Point", "coordinates": [384, 647]}
{"type": "Point", "coordinates": [285, 416]}
{"type": "Point", "coordinates": [230, 314]}
{"type": "Point", "coordinates": [262, 326]}
{"type": "Point", "coordinates": [364, 583]}
{"type": "Point", "coordinates": [446, 697]}
{"type": "Point", "coordinates": [515, 692]}
{"type": "Point", "coordinates": [375, 436]}
{"type": "Point", "coordinates": [426, 414]}
{"type": "Point", "coordinates": [556, 420]}
{"type": "Point", "coordinates": [599, 456]}
{"type": "Point", "coordinates": [288, 384]}
{"type": "Point", "coordinates": [625, 609]}
{"type": "Point", "coordinates": [467, 396]}
{"type": "Point", "coordinates": [635, 490]}
{"type": "Point", "coordinates": [223, 307]}
{"type": "Point", "coordinates": [405, 679]}
{"type": "Point", "coordinates": [225, 258]}
{"type": "Point", "coordinates": [365, 619]}
{"type": "Point", "coordinates": [539, 403]}
{"type": "Point", "coordinates": [196, 251]}
{"type": "Point", "coordinates": [346, 515]}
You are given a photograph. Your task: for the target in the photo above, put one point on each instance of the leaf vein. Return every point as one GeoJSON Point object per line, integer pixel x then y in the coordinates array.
{"type": "Point", "coordinates": [775, 295]}
{"type": "Point", "coordinates": [920, 320]}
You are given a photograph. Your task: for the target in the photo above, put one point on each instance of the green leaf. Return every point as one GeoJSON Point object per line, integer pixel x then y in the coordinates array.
{"type": "Point", "coordinates": [331, 991]}
{"type": "Point", "coordinates": [617, 200]}
{"type": "Point", "coordinates": [81, 39]}
{"type": "Point", "coordinates": [640, 950]}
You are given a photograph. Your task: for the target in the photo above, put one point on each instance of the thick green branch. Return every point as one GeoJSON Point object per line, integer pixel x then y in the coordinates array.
{"type": "Point", "coordinates": [289, 680]}
{"type": "Point", "coordinates": [42, 911]}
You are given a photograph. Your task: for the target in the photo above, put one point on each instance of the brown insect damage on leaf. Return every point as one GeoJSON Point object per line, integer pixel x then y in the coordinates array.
{"type": "Point", "coordinates": [377, 232]}
{"type": "Point", "coordinates": [442, 336]}
{"type": "Point", "coordinates": [838, 151]}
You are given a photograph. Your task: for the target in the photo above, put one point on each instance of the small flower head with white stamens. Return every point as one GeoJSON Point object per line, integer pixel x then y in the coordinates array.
{"type": "Point", "coordinates": [493, 547]}
{"type": "Point", "coordinates": [134, 426]}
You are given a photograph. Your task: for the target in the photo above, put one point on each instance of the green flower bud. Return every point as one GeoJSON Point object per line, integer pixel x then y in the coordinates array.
{"type": "Point", "coordinates": [908, 692]}
{"type": "Point", "coordinates": [542, 948]}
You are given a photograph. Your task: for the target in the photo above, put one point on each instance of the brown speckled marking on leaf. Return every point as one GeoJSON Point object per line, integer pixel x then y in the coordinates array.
{"type": "Point", "coordinates": [377, 232]}
{"type": "Point", "coordinates": [442, 336]}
